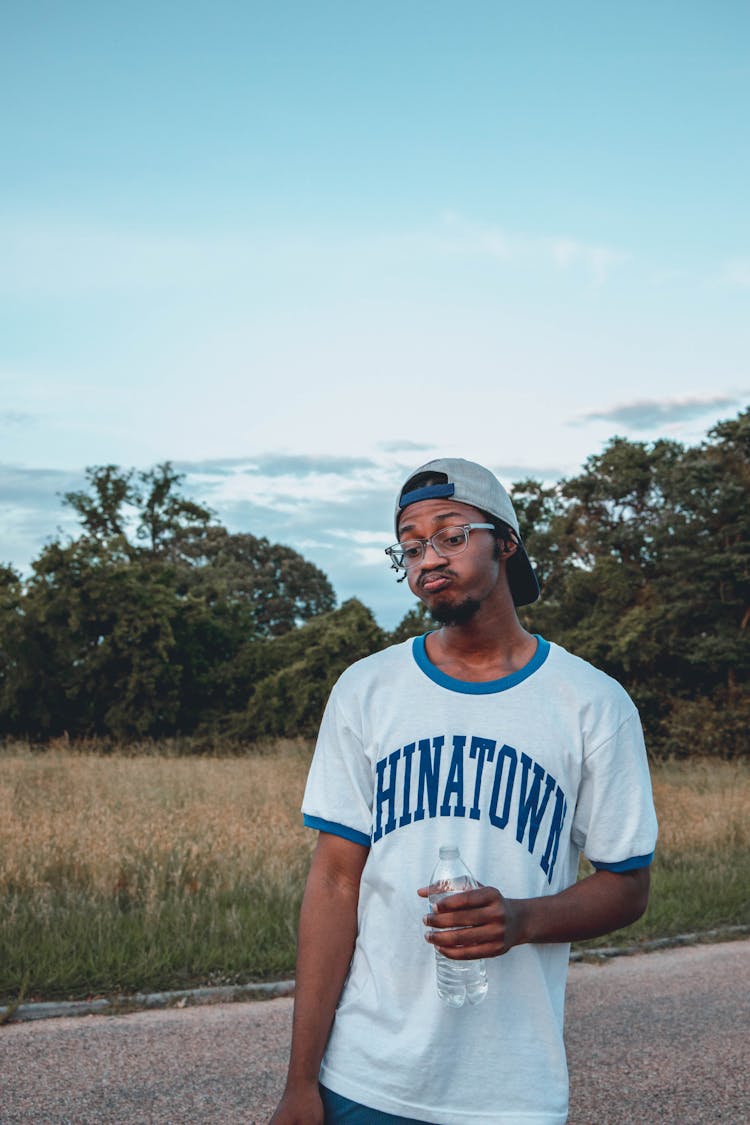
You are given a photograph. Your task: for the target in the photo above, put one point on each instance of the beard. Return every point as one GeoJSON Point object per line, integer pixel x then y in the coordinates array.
{"type": "Point", "coordinates": [455, 614]}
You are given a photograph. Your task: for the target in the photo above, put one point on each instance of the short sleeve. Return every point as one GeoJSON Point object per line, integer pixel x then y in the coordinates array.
{"type": "Point", "coordinates": [615, 821]}
{"type": "Point", "coordinates": [339, 792]}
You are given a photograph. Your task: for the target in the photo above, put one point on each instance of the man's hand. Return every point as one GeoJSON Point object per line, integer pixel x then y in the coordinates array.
{"type": "Point", "coordinates": [493, 924]}
{"type": "Point", "coordinates": [488, 924]}
{"type": "Point", "coordinates": [300, 1105]}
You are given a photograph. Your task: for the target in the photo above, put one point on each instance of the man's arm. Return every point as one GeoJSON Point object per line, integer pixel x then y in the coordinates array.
{"type": "Point", "coordinates": [327, 933]}
{"type": "Point", "coordinates": [596, 905]}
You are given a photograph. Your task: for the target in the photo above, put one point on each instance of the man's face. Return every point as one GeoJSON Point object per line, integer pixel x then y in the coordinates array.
{"type": "Point", "coordinates": [452, 588]}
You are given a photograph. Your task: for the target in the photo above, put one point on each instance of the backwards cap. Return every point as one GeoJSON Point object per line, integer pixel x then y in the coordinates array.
{"type": "Point", "coordinates": [470, 483]}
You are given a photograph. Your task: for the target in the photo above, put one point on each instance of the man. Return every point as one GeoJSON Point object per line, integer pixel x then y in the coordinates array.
{"type": "Point", "coordinates": [483, 736]}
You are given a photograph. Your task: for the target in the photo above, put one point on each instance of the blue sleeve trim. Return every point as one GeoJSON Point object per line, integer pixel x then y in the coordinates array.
{"type": "Point", "coordinates": [334, 829]}
{"type": "Point", "coordinates": [631, 864]}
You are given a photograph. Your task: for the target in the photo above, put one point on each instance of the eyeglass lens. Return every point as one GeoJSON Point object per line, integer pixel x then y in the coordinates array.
{"type": "Point", "coordinates": [447, 541]}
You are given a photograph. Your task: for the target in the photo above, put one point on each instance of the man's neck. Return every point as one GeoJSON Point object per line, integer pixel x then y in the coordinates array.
{"type": "Point", "coordinates": [490, 646]}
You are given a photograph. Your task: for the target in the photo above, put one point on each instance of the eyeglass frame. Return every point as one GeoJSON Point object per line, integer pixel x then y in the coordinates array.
{"type": "Point", "coordinates": [465, 527]}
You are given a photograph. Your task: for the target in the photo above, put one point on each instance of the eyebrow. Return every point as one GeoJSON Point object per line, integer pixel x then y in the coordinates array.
{"type": "Point", "coordinates": [402, 527]}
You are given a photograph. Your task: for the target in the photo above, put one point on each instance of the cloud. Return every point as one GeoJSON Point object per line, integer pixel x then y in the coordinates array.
{"type": "Point", "coordinates": [505, 473]}
{"type": "Point", "coordinates": [277, 465]}
{"type": "Point", "coordinates": [16, 418]}
{"type": "Point", "coordinates": [44, 255]}
{"type": "Point", "coordinates": [403, 445]}
{"type": "Point", "coordinates": [597, 260]}
{"type": "Point", "coordinates": [22, 486]}
{"type": "Point", "coordinates": [301, 494]}
{"type": "Point", "coordinates": [337, 511]}
{"type": "Point", "coordinates": [283, 484]}
{"type": "Point", "coordinates": [32, 511]}
{"type": "Point", "coordinates": [305, 465]}
{"type": "Point", "coordinates": [651, 414]}
{"type": "Point", "coordinates": [737, 273]}
{"type": "Point", "coordinates": [344, 532]}
{"type": "Point", "coordinates": [561, 252]}
{"type": "Point", "coordinates": [508, 474]}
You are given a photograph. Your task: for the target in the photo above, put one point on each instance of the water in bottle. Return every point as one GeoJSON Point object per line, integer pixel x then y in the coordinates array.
{"type": "Point", "coordinates": [458, 982]}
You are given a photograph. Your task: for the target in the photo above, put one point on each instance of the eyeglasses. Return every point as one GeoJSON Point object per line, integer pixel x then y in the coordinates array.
{"type": "Point", "coordinates": [446, 543]}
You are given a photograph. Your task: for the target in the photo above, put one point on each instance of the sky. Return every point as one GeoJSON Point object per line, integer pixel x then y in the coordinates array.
{"type": "Point", "coordinates": [298, 249]}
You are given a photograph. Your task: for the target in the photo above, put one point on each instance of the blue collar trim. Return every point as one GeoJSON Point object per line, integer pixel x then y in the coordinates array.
{"type": "Point", "coordinates": [483, 687]}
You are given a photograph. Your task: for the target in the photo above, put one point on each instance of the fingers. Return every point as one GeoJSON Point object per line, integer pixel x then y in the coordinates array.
{"type": "Point", "coordinates": [469, 944]}
{"type": "Point", "coordinates": [479, 896]}
{"type": "Point", "coordinates": [437, 889]}
{"type": "Point", "coordinates": [469, 908]}
{"type": "Point", "coordinates": [455, 919]}
{"type": "Point", "coordinates": [468, 925]}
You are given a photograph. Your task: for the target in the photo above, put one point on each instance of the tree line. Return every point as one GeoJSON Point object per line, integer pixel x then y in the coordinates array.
{"type": "Point", "coordinates": [154, 620]}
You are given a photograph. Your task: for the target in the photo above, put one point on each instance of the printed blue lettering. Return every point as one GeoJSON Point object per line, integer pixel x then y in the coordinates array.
{"type": "Point", "coordinates": [408, 754]}
{"type": "Point", "coordinates": [412, 794]}
{"type": "Point", "coordinates": [507, 753]}
{"type": "Point", "coordinates": [548, 860]}
{"type": "Point", "coordinates": [429, 773]}
{"type": "Point", "coordinates": [386, 793]}
{"type": "Point", "coordinates": [480, 747]}
{"type": "Point", "coordinates": [455, 783]}
{"type": "Point", "coordinates": [528, 802]}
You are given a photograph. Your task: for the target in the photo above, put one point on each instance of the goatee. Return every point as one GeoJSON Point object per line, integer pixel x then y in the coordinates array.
{"type": "Point", "coordinates": [455, 614]}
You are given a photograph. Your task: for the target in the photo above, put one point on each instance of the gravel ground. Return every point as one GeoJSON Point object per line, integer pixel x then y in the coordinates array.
{"type": "Point", "coordinates": [655, 1038]}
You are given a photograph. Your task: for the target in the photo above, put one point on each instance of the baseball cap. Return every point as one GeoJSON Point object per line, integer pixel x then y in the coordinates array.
{"type": "Point", "coordinates": [470, 483]}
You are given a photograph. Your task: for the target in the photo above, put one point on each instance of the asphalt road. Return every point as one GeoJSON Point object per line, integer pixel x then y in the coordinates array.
{"type": "Point", "coordinates": [655, 1038]}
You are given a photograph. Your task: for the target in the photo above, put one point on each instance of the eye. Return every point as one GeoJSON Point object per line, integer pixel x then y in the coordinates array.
{"type": "Point", "coordinates": [452, 537]}
{"type": "Point", "coordinates": [411, 550]}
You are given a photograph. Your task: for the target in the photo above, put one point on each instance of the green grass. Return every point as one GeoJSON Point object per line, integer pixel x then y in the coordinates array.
{"type": "Point", "coordinates": [76, 944]}
{"type": "Point", "coordinates": [700, 878]}
{"type": "Point", "coordinates": [690, 893]}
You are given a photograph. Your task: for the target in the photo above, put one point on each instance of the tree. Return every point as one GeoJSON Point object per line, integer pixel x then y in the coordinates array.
{"type": "Point", "coordinates": [11, 619]}
{"type": "Point", "coordinates": [274, 586]}
{"type": "Point", "coordinates": [94, 647]}
{"type": "Point", "coordinates": [149, 504]}
{"type": "Point", "coordinates": [417, 621]}
{"type": "Point", "coordinates": [157, 620]}
{"type": "Point", "coordinates": [143, 624]}
{"type": "Point", "coordinates": [644, 558]}
{"type": "Point", "coordinates": [299, 670]}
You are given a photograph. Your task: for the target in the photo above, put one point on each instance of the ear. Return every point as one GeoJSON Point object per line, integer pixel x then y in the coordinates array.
{"type": "Point", "coordinates": [507, 548]}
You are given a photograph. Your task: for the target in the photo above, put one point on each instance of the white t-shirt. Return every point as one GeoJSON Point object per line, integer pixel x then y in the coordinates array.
{"type": "Point", "coordinates": [522, 774]}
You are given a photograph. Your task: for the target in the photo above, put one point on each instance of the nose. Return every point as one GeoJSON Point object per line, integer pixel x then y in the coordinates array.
{"type": "Point", "coordinates": [439, 560]}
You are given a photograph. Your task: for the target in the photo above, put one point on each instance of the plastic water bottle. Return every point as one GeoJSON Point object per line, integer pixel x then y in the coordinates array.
{"type": "Point", "coordinates": [458, 982]}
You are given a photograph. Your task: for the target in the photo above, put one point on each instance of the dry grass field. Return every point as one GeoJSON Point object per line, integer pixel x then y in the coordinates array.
{"type": "Point", "coordinates": [146, 824]}
{"type": "Point", "coordinates": [129, 871]}
{"type": "Point", "coordinates": [700, 879]}
{"type": "Point", "coordinates": [703, 804]}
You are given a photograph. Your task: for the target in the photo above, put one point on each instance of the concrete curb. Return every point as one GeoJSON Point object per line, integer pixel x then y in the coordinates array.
{"type": "Point", "coordinates": [118, 1005]}
{"type": "Point", "coordinates": [193, 997]}
{"type": "Point", "coordinates": [727, 933]}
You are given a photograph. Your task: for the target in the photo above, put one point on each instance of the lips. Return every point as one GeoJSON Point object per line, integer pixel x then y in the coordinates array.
{"type": "Point", "coordinates": [431, 583]}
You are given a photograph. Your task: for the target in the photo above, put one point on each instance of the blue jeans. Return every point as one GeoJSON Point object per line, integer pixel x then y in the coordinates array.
{"type": "Point", "coordinates": [342, 1111]}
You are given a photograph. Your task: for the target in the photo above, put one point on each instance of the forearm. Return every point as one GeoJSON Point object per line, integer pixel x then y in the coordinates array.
{"type": "Point", "coordinates": [482, 923]}
{"type": "Point", "coordinates": [596, 905]}
{"type": "Point", "coordinates": [327, 934]}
